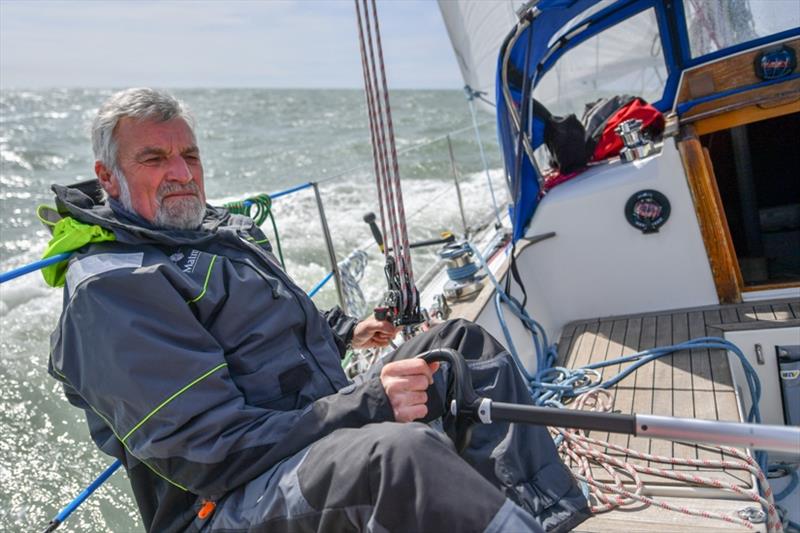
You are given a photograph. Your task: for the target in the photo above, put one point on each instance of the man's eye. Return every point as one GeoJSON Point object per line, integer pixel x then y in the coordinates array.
{"type": "Point", "coordinates": [151, 160]}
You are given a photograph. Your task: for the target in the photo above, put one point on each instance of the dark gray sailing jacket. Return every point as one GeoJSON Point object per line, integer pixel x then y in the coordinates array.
{"type": "Point", "coordinates": [200, 364]}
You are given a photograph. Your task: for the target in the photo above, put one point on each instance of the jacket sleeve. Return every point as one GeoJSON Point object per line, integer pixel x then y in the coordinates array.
{"type": "Point", "coordinates": [141, 361]}
{"type": "Point", "coordinates": [342, 326]}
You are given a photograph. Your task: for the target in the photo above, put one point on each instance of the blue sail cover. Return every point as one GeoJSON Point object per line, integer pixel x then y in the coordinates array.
{"type": "Point", "coordinates": [524, 181]}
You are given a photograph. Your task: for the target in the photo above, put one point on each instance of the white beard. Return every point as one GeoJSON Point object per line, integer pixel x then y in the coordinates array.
{"type": "Point", "coordinates": [184, 213]}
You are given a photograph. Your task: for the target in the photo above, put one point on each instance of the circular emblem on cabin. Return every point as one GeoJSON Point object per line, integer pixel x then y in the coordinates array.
{"type": "Point", "coordinates": [647, 210]}
{"type": "Point", "coordinates": [775, 63]}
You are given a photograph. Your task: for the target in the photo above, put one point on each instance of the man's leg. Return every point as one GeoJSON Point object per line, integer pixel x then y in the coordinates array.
{"type": "Point", "coordinates": [519, 459]}
{"type": "Point", "coordinates": [384, 477]}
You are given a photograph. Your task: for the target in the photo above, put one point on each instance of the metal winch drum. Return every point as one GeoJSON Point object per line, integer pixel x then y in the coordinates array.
{"type": "Point", "coordinates": [462, 271]}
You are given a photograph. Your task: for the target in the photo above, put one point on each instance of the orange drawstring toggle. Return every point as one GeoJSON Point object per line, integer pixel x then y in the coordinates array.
{"type": "Point", "coordinates": [206, 509]}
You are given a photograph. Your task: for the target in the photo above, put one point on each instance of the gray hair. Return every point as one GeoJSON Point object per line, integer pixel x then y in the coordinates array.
{"type": "Point", "coordinates": [139, 103]}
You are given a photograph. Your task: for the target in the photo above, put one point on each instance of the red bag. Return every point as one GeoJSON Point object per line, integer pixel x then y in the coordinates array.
{"type": "Point", "coordinates": [610, 144]}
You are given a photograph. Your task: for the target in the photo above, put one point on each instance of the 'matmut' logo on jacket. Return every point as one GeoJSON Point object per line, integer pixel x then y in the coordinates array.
{"type": "Point", "coordinates": [186, 264]}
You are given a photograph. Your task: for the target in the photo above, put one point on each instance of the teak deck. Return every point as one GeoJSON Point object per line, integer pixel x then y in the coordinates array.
{"type": "Point", "coordinates": [692, 384]}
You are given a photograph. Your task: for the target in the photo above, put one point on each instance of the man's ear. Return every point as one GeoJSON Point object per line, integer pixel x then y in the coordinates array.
{"type": "Point", "coordinates": [107, 179]}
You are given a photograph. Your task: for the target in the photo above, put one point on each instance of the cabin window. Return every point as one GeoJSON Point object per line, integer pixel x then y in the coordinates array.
{"type": "Point", "coordinates": [716, 24]}
{"type": "Point", "coordinates": [755, 166]}
{"type": "Point", "coordinates": [583, 15]}
{"type": "Point", "coordinates": [624, 59]}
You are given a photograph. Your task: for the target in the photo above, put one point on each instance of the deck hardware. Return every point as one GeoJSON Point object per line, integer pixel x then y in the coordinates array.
{"type": "Point", "coordinates": [637, 144]}
{"type": "Point", "coordinates": [752, 514]}
{"type": "Point", "coordinates": [462, 271]}
{"type": "Point", "coordinates": [759, 354]}
{"type": "Point", "coordinates": [440, 308]}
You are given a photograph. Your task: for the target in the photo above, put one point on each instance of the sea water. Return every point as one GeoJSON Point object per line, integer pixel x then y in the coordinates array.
{"type": "Point", "coordinates": [252, 141]}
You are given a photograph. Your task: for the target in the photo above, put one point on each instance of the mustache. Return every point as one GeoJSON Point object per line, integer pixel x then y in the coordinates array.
{"type": "Point", "coordinates": [167, 188]}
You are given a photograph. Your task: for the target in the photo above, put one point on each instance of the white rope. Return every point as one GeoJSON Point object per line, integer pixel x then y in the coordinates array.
{"type": "Point", "coordinates": [351, 271]}
{"type": "Point", "coordinates": [586, 452]}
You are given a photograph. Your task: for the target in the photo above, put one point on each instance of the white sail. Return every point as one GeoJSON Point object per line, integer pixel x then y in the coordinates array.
{"type": "Point", "coordinates": [477, 29]}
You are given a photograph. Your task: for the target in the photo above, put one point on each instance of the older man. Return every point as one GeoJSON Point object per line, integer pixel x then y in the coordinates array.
{"type": "Point", "coordinates": [216, 381]}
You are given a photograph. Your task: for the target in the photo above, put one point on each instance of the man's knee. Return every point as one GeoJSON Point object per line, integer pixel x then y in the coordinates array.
{"type": "Point", "coordinates": [409, 446]}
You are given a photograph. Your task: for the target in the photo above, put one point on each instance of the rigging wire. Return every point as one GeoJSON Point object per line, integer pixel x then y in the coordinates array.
{"type": "Point", "coordinates": [402, 300]}
{"type": "Point", "coordinates": [471, 95]}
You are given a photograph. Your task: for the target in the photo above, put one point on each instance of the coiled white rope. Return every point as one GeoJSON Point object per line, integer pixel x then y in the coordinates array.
{"type": "Point", "coordinates": [585, 452]}
{"type": "Point", "coordinates": [351, 271]}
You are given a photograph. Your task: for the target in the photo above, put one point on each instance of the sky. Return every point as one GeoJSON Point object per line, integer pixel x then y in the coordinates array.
{"type": "Point", "coordinates": [217, 43]}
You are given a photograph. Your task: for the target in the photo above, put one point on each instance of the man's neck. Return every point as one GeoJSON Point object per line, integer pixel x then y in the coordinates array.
{"type": "Point", "coordinates": [129, 216]}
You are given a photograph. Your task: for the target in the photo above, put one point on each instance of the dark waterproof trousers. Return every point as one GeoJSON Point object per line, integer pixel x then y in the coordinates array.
{"type": "Point", "coordinates": [391, 477]}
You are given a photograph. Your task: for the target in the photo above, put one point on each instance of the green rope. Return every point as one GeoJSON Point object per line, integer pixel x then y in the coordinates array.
{"type": "Point", "coordinates": [258, 208]}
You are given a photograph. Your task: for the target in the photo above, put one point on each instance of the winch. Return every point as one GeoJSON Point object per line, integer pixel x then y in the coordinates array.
{"type": "Point", "coordinates": [461, 270]}
{"type": "Point", "coordinates": [637, 145]}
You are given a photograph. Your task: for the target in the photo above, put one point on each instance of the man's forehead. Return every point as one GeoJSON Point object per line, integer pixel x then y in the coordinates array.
{"type": "Point", "coordinates": [136, 134]}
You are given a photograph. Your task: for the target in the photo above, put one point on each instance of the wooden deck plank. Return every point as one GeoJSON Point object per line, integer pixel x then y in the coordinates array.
{"type": "Point", "coordinates": [681, 362]}
{"type": "Point", "coordinates": [600, 352]}
{"type": "Point", "coordinates": [720, 368]}
{"type": "Point", "coordinates": [632, 338]}
{"type": "Point", "coordinates": [701, 366]}
{"type": "Point", "coordinates": [614, 349]}
{"type": "Point", "coordinates": [764, 312]}
{"type": "Point", "coordinates": [728, 410]}
{"type": "Point", "coordinates": [564, 345]}
{"type": "Point", "coordinates": [662, 382]}
{"type": "Point", "coordinates": [655, 519]}
{"type": "Point", "coordinates": [782, 312]}
{"type": "Point", "coordinates": [694, 385]}
{"type": "Point", "coordinates": [729, 314]}
{"type": "Point", "coordinates": [746, 313]}
{"type": "Point", "coordinates": [682, 404]}
{"type": "Point", "coordinates": [643, 387]}
{"type": "Point", "coordinates": [586, 344]}
{"type": "Point", "coordinates": [705, 408]}
{"type": "Point", "coordinates": [573, 344]}
{"type": "Point", "coordinates": [623, 395]}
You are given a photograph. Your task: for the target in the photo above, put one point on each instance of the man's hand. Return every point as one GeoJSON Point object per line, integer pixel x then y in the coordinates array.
{"type": "Point", "coordinates": [373, 333]}
{"type": "Point", "coordinates": [405, 383]}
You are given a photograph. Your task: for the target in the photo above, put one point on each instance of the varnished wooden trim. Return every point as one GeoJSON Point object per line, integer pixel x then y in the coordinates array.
{"type": "Point", "coordinates": [772, 286]}
{"type": "Point", "coordinates": [711, 217]}
{"type": "Point", "coordinates": [727, 72]}
{"type": "Point", "coordinates": [745, 115]}
{"type": "Point", "coordinates": [780, 91]}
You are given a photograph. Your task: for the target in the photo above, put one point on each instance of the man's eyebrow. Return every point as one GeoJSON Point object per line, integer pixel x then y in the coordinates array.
{"type": "Point", "coordinates": [150, 150]}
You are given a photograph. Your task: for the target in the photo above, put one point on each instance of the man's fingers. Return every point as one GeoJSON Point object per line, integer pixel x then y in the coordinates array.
{"type": "Point", "coordinates": [410, 398]}
{"type": "Point", "coordinates": [401, 384]}
{"type": "Point", "coordinates": [408, 367]}
{"type": "Point", "coordinates": [410, 413]}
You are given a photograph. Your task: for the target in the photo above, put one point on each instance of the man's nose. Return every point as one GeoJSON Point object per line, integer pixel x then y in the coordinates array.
{"type": "Point", "coordinates": [178, 170]}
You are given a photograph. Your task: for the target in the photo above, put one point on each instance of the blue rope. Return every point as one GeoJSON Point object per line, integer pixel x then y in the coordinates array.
{"type": "Point", "coordinates": [550, 386]}
{"type": "Point", "coordinates": [462, 272]}
{"type": "Point", "coordinates": [788, 489]}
